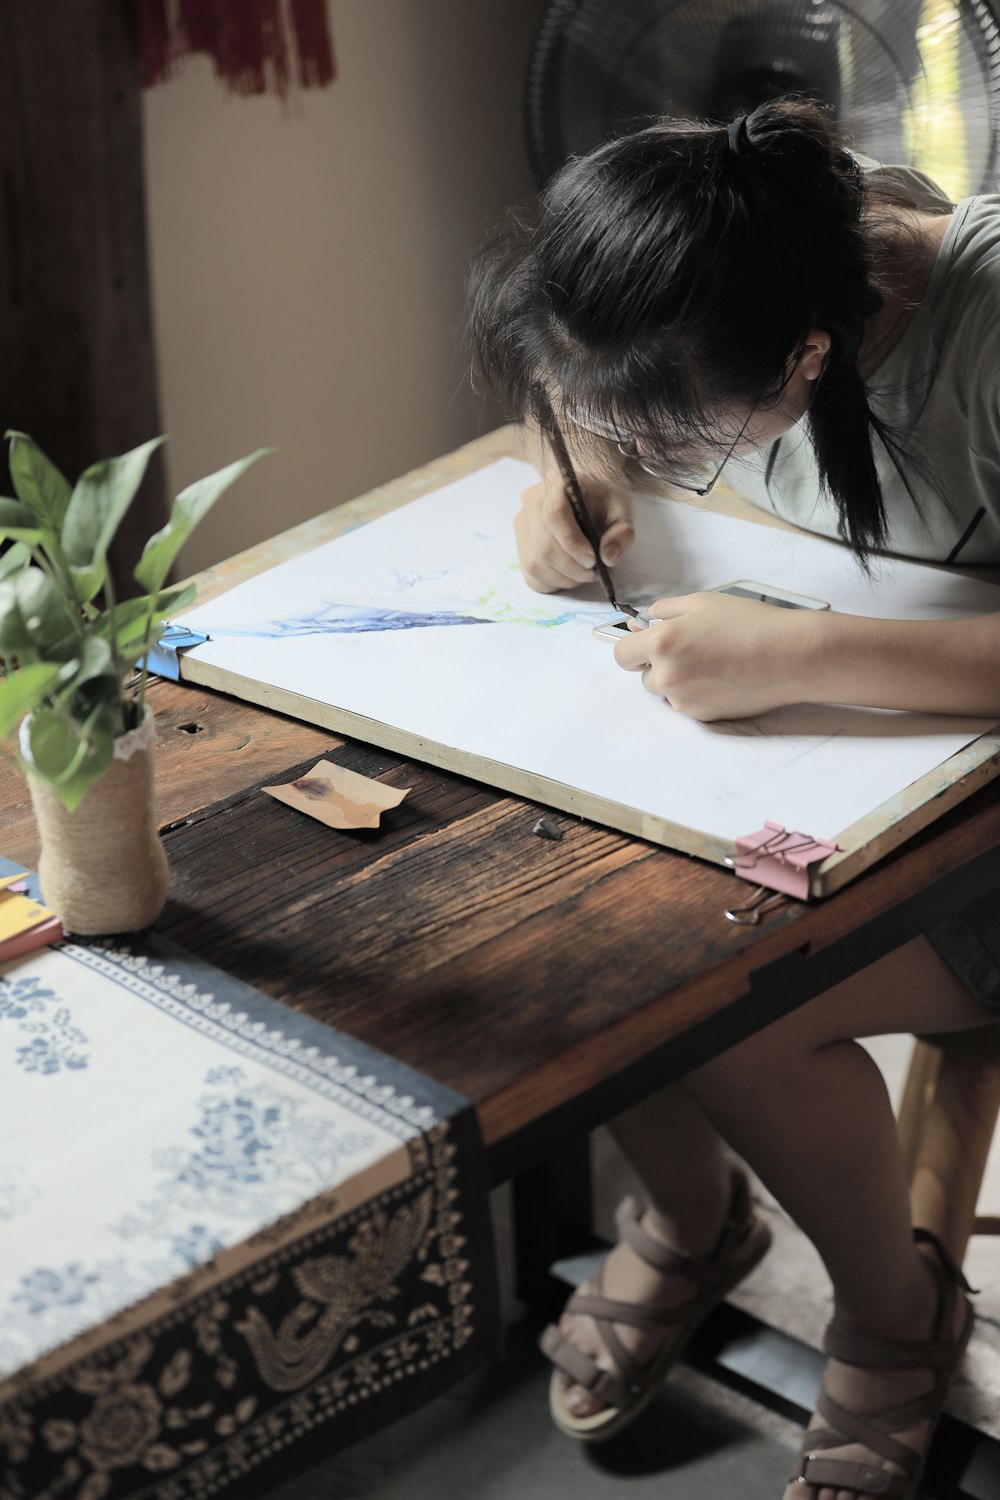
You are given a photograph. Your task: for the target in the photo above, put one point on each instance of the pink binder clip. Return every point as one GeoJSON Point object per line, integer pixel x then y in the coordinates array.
{"type": "Point", "coordinates": [776, 860]}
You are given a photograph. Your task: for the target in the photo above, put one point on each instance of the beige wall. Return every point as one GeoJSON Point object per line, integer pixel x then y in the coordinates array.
{"type": "Point", "coordinates": [308, 263]}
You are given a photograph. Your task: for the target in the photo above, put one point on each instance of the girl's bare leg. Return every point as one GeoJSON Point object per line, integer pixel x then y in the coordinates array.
{"type": "Point", "coordinates": [682, 1164]}
{"type": "Point", "coordinates": [808, 1110]}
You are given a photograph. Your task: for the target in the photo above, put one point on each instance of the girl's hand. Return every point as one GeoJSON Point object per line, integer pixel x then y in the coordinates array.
{"type": "Point", "coordinates": [715, 657]}
{"type": "Point", "coordinates": [553, 551]}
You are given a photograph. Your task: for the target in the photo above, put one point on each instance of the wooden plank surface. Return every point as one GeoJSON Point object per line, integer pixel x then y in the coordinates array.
{"type": "Point", "coordinates": [207, 747]}
{"type": "Point", "coordinates": [518, 970]}
{"type": "Point", "coordinates": [861, 845]}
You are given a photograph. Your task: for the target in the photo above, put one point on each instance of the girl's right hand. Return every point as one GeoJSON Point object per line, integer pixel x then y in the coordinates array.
{"type": "Point", "coordinates": [553, 551]}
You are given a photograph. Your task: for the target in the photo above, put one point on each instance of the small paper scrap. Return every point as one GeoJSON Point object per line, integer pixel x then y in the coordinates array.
{"type": "Point", "coordinates": [338, 797]}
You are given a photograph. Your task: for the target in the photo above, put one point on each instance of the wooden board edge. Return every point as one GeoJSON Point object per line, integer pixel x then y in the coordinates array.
{"type": "Point", "coordinates": [896, 821]}
{"type": "Point", "coordinates": [506, 778]}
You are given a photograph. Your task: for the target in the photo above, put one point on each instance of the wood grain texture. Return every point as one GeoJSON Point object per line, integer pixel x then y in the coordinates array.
{"type": "Point", "coordinates": [207, 747]}
{"type": "Point", "coordinates": [520, 971]}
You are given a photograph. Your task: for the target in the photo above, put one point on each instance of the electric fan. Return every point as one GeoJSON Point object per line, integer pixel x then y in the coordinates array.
{"type": "Point", "coordinates": [909, 81]}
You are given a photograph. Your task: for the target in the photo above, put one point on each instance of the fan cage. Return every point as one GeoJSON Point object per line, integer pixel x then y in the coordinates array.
{"type": "Point", "coordinates": [917, 83]}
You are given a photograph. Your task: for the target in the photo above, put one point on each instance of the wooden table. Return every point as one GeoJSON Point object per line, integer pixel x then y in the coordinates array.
{"type": "Point", "coordinates": [547, 981]}
{"type": "Point", "coordinates": [553, 983]}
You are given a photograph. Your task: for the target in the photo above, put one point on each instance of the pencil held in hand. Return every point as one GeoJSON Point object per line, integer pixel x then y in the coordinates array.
{"type": "Point", "coordinates": [574, 495]}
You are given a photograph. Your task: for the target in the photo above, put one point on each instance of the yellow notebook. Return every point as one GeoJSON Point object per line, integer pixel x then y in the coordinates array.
{"type": "Point", "coordinates": [23, 919]}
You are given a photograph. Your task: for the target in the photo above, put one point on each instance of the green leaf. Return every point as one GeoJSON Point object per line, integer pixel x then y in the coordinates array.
{"type": "Point", "coordinates": [187, 510]}
{"type": "Point", "coordinates": [66, 756]}
{"type": "Point", "coordinates": [133, 649]}
{"type": "Point", "coordinates": [96, 660]}
{"type": "Point", "coordinates": [124, 615]}
{"type": "Point", "coordinates": [133, 628]}
{"type": "Point", "coordinates": [57, 748]}
{"type": "Point", "coordinates": [18, 523]}
{"type": "Point", "coordinates": [14, 559]}
{"type": "Point", "coordinates": [37, 480]}
{"type": "Point", "coordinates": [95, 754]}
{"type": "Point", "coordinates": [34, 616]}
{"type": "Point", "coordinates": [23, 691]}
{"type": "Point", "coordinates": [100, 498]}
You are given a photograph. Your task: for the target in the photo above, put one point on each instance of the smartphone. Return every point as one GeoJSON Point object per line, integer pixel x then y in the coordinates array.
{"type": "Point", "coordinates": [766, 593]}
{"type": "Point", "coordinates": [611, 630]}
{"type": "Point", "coordinates": [742, 588]}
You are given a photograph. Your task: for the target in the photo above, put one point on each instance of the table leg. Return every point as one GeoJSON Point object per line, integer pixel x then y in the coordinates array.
{"type": "Point", "coordinates": [552, 1205]}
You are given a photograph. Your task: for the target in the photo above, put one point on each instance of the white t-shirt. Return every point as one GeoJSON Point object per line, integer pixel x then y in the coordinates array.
{"type": "Point", "coordinates": [939, 389]}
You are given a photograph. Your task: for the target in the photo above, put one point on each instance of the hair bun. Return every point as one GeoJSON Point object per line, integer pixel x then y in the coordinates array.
{"type": "Point", "coordinates": [794, 141]}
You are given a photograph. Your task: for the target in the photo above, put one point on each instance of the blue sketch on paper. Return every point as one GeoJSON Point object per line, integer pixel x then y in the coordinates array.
{"type": "Point", "coordinates": [347, 619]}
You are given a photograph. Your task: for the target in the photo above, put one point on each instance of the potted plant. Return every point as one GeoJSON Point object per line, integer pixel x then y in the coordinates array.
{"type": "Point", "coordinates": [73, 676]}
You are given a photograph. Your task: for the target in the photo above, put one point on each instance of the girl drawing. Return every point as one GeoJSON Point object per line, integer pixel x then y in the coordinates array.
{"type": "Point", "coordinates": [754, 301]}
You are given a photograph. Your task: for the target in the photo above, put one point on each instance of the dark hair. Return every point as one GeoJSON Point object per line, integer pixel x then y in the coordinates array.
{"type": "Point", "coordinates": [677, 270]}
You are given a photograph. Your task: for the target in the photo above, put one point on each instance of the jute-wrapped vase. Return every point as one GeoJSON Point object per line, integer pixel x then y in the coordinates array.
{"type": "Point", "coordinates": [102, 868]}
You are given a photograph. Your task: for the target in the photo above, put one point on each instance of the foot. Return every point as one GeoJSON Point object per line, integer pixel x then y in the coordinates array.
{"type": "Point", "coordinates": [625, 1278]}
{"type": "Point", "coordinates": [868, 1392]}
{"type": "Point", "coordinates": [621, 1334]}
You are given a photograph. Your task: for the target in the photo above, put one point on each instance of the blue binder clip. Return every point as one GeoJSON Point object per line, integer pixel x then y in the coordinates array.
{"type": "Point", "coordinates": [165, 657]}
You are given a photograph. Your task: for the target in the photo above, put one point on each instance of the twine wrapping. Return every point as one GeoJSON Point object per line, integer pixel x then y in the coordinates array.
{"type": "Point", "coordinates": [103, 869]}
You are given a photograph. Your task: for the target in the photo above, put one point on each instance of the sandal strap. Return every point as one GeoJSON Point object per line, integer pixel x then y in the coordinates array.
{"type": "Point", "coordinates": [740, 1245]}
{"type": "Point", "coordinates": [888, 1354]}
{"type": "Point", "coordinates": [660, 1257]}
{"type": "Point", "coordinates": [937, 1354]}
{"type": "Point", "coordinates": [864, 1479]}
{"type": "Point", "coordinates": [634, 1314]}
{"type": "Point", "coordinates": [581, 1369]}
{"type": "Point", "coordinates": [948, 1263]}
{"type": "Point", "coordinates": [704, 1270]}
{"type": "Point", "coordinates": [873, 1432]}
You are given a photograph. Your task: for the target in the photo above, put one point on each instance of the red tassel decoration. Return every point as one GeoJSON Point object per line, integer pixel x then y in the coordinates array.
{"type": "Point", "coordinates": [254, 44]}
{"type": "Point", "coordinates": [314, 51]}
{"type": "Point", "coordinates": [155, 57]}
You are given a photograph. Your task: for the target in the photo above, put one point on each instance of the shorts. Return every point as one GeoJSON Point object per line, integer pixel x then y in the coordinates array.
{"type": "Point", "coordinates": [970, 944]}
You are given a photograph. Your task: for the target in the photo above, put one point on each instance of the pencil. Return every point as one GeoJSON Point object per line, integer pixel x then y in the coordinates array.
{"type": "Point", "coordinates": [574, 495]}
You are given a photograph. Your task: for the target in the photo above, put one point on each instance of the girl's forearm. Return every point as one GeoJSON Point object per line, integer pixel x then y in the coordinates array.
{"type": "Point", "coordinates": [938, 666]}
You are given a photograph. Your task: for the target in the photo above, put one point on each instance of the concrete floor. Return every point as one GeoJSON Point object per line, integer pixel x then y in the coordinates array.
{"type": "Point", "coordinates": [491, 1438]}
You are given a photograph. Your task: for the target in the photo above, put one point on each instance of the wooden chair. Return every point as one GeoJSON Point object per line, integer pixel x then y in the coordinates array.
{"type": "Point", "coordinates": [947, 1117]}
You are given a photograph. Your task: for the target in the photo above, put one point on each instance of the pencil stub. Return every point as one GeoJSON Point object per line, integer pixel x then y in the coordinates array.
{"type": "Point", "coordinates": [339, 797]}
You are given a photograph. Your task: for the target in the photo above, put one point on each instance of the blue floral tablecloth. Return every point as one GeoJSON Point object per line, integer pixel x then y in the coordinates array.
{"type": "Point", "coordinates": [232, 1239]}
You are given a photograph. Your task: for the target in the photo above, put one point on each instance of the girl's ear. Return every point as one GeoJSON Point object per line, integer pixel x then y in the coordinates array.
{"type": "Point", "coordinates": [812, 361]}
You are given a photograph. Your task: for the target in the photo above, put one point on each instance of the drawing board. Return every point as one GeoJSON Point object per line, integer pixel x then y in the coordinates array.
{"type": "Point", "coordinates": [416, 632]}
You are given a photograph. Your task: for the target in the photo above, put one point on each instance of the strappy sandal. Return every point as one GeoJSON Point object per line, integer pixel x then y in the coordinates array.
{"type": "Point", "coordinates": [941, 1353]}
{"type": "Point", "coordinates": [741, 1245]}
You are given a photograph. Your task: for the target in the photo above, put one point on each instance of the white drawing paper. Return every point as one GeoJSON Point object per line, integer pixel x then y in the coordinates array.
{"type": "Point", "coordinates": [421, 620]}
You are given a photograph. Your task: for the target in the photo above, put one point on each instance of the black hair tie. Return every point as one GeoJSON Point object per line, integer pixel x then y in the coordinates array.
{"type": "Point", "coordinates": [739, 137]}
